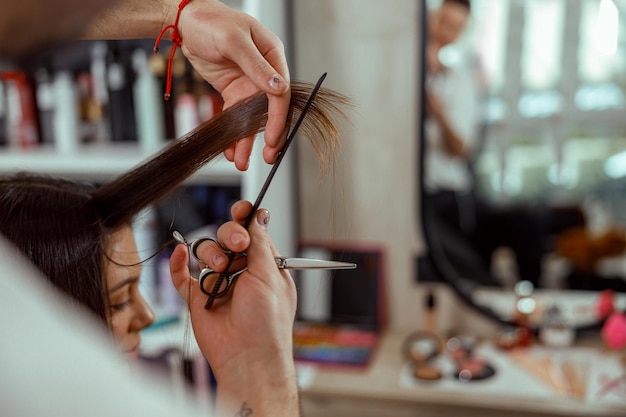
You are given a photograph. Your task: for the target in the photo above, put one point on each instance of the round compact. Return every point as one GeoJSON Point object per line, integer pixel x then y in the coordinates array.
{"type": "Point", "coordinates": [421, 347]}
{"type": "Point", "coordinates": [474, 369]}
{"type": "Point", "coordinates": [427, 372]}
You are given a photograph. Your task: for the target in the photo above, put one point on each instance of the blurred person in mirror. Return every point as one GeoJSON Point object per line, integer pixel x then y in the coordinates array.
{"type": "Point", "coordinates": [467, 228]}
{"type": "Point", "coordinates": [451, 129]}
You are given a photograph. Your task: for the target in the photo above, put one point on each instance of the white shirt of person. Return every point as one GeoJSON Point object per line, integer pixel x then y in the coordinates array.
{"type": "Point", "coordinates": [457, 88]}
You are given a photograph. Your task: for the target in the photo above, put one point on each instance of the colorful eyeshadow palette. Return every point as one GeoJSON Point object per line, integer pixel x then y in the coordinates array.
{"type": "Point", "coordinates": [333, 344]}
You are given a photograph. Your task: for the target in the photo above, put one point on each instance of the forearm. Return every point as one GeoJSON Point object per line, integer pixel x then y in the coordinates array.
{"type": "Point", "coordinates": [451, 140]}
{"type": "Point", "coordinates": [258, 389]}
{"type": "Point", "coordinates": [129, 19]}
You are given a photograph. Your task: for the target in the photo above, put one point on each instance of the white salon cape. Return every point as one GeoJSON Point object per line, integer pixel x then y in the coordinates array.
{"type": "Point", "coordinates": [54, 361]}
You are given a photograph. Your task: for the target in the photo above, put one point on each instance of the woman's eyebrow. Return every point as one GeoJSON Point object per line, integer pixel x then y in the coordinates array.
{"type": "Point", "coordinates": [121, 284]}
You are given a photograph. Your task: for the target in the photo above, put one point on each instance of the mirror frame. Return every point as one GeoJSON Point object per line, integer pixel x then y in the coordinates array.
{"type": "Point", "coordinates": [462, 287]}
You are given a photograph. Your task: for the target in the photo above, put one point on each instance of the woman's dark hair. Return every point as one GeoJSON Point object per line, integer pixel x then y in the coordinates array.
{"type": "Point", "coordinates": [63, 226]}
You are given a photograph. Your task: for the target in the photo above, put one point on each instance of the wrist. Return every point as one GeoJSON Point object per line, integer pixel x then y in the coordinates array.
{"type": "Point", "coordinates": [176, 39]}
{"type": "Point", "coordinates": [168, 11]}
{"type": "Point", "coordinates": [267, 385]}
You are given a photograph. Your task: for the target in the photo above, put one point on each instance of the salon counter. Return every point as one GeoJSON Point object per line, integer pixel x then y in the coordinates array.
{"type": "Point", "coordinates": [386, 388]}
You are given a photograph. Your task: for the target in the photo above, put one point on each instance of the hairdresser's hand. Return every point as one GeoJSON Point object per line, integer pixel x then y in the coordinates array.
{"type": "Point", "coordinates": [238, 56]}
{"type": "Point", "coordinates": [246, 335]}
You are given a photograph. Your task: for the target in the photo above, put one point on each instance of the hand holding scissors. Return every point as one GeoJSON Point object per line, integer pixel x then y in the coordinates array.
{"type": "Point", "coordinates": [217, 284]}
{"type": "Point", "coordinates": [255, 318]}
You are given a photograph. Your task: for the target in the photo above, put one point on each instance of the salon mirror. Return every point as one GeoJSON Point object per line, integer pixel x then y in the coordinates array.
{"type": "Point", "coordinates": [538, 192]}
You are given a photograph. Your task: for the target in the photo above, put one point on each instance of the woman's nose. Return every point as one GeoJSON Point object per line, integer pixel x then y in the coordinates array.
{"type": "Point", "coordinates": [144, 315]}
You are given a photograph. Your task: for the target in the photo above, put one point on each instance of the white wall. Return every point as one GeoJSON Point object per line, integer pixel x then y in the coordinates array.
{"type": "Point", "coordinates": [369, 49]}
{"type": "Point", "coordinates": [278, 199]}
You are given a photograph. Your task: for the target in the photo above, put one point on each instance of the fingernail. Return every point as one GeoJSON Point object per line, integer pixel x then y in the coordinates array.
{"type": "Point", "coordinates": [263, 218]}
{"type": "Point", "coordinates": [219, 259]}
{"type": "Point", "coordinates": [276, 82]}
{"type": "Point", "coordinates": [245, 166]}
{"type": "Point", "coordinates": [236, 238]}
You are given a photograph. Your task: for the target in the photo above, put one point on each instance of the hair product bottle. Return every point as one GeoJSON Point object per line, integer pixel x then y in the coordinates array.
{"type": "Point", "coordinates": [3, 133]}
{"type": "Point", "coordinates": [66, 121]}
{"type": "Point", "coordinates": [45, 104]}
{"type": "Point", "coordinates": [100, 92]}
{"type": "Point", "coordinates": [21, 116]}
{"type": "Point", "coordinates": [121, 112]}
{"type": "Point", "coordinates": [148, 103]}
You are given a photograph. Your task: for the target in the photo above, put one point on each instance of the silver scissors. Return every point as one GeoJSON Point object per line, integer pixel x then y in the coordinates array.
{"type": "Point", "coordinates": [221, 282]}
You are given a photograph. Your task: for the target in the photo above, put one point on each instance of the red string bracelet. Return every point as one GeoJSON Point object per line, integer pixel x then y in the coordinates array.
{"type": "Point", "coordinates": [177, 41]}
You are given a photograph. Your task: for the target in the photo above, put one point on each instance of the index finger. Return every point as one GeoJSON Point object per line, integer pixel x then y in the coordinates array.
{"type": "Point", "coordinates": [240, 211]}
{"type": "Point", "coordinates": [276, 130]}
{"type": "Point", "coordinates": [265, 64]}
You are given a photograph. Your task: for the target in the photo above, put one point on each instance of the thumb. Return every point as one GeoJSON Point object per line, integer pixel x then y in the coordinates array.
{"type": "Point", "coordinates": [261, 251]}
{"type": "Point", "coordinates": [179, 271]}
{"type": "Point", "coordinates": [269, 72]}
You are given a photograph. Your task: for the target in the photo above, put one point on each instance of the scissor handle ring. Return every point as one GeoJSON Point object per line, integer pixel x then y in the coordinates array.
{"type": "Point", "coordinates": [228, 276]}
{"type": "Point", "coordinates": [223, 275]}
{"type": "Point", "coordinates": [198, 242]}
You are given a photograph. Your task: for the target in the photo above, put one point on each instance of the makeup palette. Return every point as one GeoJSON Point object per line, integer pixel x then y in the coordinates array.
{"type": "Point", "coordinates": [430, 359]}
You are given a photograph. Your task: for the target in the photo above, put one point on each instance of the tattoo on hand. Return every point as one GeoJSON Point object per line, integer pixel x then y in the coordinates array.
{"type": "Point", "coordinates": [245, 411]}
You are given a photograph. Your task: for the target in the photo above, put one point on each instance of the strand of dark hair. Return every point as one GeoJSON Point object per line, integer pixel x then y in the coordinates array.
{"type": "Point", "coordinates": [120, 200]}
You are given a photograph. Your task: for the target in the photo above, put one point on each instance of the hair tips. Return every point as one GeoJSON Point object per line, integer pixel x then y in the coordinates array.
{"type": "Point", "coordinates": [121, 199]}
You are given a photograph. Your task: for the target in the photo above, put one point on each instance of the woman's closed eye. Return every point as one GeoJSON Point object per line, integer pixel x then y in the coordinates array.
{"type": "Point", "coordinates": [121, 296]}
{"type": "Point", "coordinates": [121, 305]}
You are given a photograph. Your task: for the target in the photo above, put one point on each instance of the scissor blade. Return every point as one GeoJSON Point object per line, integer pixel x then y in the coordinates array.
{"type": "Point", "coordinates": [305, 263]}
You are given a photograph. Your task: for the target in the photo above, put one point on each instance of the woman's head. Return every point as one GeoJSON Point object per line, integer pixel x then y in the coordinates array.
{"type": "Point", "coordinates": [53, 222]}
{"type": "Point", "coordinates": [50, 220]}
{"type": "Point", "coordinates": [80, 236]}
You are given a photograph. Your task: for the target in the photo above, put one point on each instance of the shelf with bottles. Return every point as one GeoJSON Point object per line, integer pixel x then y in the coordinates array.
{"type": "Point", "coordinates": [96, 109]}
{"type": "Point", "coordinates": [102, 162]}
